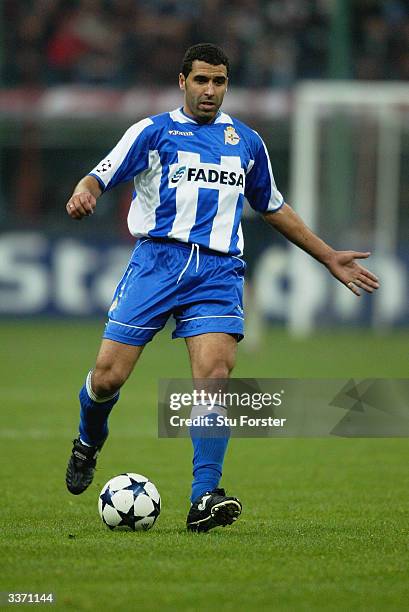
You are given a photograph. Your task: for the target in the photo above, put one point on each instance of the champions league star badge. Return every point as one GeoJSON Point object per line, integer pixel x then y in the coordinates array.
{"type": "Point", "coordinates": [231, 136]}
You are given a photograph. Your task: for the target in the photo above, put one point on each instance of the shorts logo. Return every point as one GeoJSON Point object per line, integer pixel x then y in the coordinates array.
{"type": "Point", "coordinates": [178, 174]}
{"type": "Point", "coordinates": [113, 305]}
{"type": "Point", "coordinates": [230, 136]}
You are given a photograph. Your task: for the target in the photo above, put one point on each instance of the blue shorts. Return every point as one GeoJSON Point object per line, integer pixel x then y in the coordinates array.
{"type": "Point", "coordinates": [200, 288]}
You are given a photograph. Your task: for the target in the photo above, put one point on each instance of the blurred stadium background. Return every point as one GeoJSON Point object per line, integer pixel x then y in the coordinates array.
{"type": "Point", "coordinates": [74, 74]}
{"type": "Point", "coordinates": [325, 82]}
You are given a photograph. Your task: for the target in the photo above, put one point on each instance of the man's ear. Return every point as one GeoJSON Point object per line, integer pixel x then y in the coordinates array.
{"type": "Point", "coordinates": [182, 81]}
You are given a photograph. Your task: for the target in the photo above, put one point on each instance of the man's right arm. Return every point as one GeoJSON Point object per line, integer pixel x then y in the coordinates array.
{"type": "Point", "coordinates": [83, 201]}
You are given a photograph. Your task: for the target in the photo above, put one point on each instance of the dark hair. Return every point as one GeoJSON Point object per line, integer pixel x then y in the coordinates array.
{"type": "Point", "coordinates": [205, 52]}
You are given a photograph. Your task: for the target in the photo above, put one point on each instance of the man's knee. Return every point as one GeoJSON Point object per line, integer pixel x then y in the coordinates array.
{"type": "Point", "coordinates": [107, 379]}
{"type": "Point", "coordinates": [216, 369]}
{"type": "Point", "coordinates": [115, 363]}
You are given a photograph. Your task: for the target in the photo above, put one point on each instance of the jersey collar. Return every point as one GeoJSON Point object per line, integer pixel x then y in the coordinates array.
{"type": "Point", "coordinates": [181, 117]}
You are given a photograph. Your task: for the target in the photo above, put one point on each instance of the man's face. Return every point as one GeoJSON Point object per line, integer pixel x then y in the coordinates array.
{"type": "Point", "coordinates": [204, 89]}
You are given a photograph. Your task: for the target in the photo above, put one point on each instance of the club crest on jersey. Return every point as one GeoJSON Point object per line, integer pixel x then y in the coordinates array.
{"type": "Point", "coordinates": [231, 136]}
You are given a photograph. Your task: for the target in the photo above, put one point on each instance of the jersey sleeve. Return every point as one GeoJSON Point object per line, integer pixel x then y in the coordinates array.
{"type": "Point", "coordinates": [261, 190]}
{"type": "Point", "coordinates": [129, 157]}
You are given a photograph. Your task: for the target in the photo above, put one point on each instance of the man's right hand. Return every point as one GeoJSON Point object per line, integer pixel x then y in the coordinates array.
{"type": "Point", "coordinates": [81, 205]}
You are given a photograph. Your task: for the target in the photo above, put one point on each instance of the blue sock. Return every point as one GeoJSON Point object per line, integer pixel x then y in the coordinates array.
{"type": "Point", "coordinates": [94, 414]}
{"type": "Point", "coordinates": [209, 448]}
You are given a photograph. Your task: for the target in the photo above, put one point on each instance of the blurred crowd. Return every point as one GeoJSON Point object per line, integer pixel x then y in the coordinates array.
{"type": "Point", "coordinates": [123, 43]}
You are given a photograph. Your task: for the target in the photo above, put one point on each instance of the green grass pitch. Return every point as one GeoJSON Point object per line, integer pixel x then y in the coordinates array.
{"type": "Point", "coordinates": [324, 524]}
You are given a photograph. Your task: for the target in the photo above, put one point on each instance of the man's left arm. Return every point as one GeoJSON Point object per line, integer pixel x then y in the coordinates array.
{"type": "Point", "coordinates": [341, 264]}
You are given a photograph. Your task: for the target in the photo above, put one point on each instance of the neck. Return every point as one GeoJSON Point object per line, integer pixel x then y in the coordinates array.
{"type": "Point", "coordinates": [201, 120]}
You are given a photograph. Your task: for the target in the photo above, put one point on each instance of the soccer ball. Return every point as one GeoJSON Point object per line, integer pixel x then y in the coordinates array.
{"type": "Point", "coordinates": [130, 502]}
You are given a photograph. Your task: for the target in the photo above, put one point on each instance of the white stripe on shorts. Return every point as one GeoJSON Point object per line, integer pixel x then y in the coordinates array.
{"type": "Point", "coordinates": [132, 326]}
{"type": "Point", "coordinates": [213, 317]}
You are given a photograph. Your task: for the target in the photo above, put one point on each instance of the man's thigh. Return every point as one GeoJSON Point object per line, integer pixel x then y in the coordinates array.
{"type": "Point", "coordinates": [212, 354]}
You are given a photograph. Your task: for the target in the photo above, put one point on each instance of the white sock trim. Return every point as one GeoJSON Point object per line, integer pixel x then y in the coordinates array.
{"type": "Point", "coordinates": [206, 409]}
{"type": "Point", "coordinates": [92, 395]}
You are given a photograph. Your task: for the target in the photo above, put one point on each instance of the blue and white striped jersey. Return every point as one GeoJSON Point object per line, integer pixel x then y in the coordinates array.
{"type": "Point", "coordinates": [191, 179]}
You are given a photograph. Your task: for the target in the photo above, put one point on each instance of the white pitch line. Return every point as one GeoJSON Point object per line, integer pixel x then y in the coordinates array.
{"type": "Point", "coordinates": [39, 434]}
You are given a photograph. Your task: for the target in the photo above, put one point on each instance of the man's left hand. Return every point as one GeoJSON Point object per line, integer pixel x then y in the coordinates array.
{"type": "Point", "coordinates": [343, 266]}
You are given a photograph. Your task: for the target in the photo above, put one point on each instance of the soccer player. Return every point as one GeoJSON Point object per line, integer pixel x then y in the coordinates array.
{"type": "Point", "coordinates": [192, 168]}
